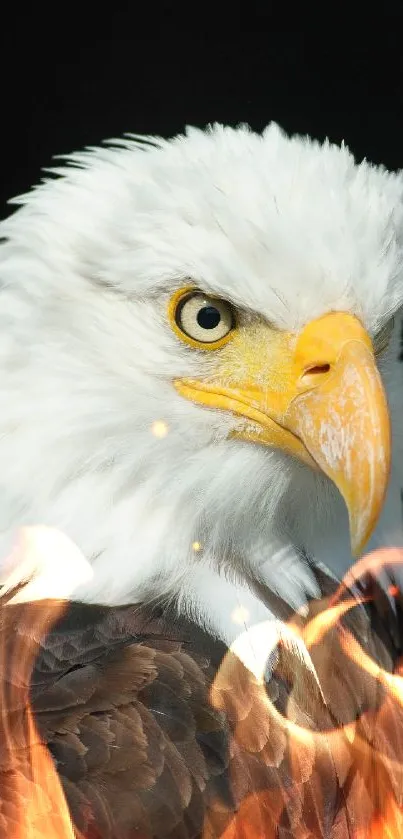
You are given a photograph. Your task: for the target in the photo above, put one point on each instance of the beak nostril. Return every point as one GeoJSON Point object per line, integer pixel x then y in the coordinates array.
{"type": "Point", "coordinates": [314, 373]}
{"type": "Point", "coordinates": [317, 370]}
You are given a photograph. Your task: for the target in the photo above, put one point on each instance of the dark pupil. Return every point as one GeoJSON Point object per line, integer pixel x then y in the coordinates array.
{"type": "Point", "coordinates": [208, 317]}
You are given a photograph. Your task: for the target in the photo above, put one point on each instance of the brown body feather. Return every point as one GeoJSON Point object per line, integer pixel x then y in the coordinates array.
{"type": "Point", "coordinates": [144, 748]}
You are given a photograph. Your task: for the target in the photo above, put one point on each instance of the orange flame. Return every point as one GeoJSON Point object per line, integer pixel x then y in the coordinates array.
{"type": "Point", "coordinates": [33, 805]}
{"type": "Point", "coordinates": [37, 808]}
{"type": "Point", "coordinates": [303, 744]}
{"type": "Point", "coordinates": [389, 825]}
{"type": "Point", "coordinates": [361, 754]}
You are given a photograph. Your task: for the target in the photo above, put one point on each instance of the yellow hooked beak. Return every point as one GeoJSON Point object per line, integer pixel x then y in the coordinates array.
{"type": "Point", "coordinates": [318, 396]}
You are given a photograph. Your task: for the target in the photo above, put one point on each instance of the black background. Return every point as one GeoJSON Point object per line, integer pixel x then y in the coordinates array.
{"type": "Point", "coordinates": [75, 76]}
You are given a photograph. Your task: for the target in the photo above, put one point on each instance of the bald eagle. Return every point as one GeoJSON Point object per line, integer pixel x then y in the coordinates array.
{"type": "Point", "coordinates": [199, 385]}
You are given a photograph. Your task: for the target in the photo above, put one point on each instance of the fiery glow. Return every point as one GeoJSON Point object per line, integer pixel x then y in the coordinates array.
{"type": "Point", "coordinates": [341, 728]}
{"type": "Point", "coordinates": [37, 808]}
{"type": "Point", "coordinates": [33, 804]}
{"type": "Point", "coordinates": [389, 825]}
{"type": "Point", "coordinates": [328, 735]}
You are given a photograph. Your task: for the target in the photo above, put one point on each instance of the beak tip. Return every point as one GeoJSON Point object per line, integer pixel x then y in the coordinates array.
{"type": "Point", "coordinates": [359, 537]}
{"type": "Point", "coordinates": [357, 548]}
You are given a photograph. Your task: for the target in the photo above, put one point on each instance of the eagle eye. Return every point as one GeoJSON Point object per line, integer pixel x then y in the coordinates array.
{"type": "Point", "coordinates": [201, 320]}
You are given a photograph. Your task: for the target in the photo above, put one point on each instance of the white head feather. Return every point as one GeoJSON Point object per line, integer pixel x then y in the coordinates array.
{"type": "Point", "coordinates": [285, 227]}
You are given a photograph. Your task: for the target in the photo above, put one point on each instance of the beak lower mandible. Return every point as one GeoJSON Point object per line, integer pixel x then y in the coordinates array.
{"type": "Point", "coordinates": [341, 415]}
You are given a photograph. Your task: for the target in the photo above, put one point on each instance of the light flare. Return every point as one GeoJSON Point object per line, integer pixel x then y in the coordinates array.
{"type": "Point", "coordinates": [160, 429]}
{"type": "Point", "coordinates": [240, 615]}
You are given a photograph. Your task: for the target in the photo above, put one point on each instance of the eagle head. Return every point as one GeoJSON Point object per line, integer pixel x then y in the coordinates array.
{"type": "Point", "coordinates": [199, 365]}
